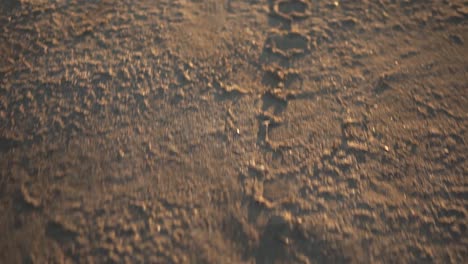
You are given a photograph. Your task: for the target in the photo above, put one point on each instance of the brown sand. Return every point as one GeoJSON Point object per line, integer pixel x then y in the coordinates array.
{"type": "Point", "coordinates": [242, 131]}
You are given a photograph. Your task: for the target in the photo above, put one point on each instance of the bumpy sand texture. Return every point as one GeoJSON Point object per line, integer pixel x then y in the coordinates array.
{"type": "Point", "coordinates": [242, 131]}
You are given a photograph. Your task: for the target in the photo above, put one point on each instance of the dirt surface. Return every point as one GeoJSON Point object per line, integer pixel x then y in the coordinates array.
{"type": "Point", "coordinates": [241, 131]}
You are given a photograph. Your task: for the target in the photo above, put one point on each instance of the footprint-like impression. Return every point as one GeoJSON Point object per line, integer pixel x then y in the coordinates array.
{"type": "Point", "coordinates": [288, 44]}
{"type": "Point", "coordinates": [291, 9]}
{"type": "Point", "coordinates": [278, 77]}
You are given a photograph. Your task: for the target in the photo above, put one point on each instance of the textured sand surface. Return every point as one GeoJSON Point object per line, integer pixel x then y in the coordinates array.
{"type": "Point", "coordinates": [239, 131]}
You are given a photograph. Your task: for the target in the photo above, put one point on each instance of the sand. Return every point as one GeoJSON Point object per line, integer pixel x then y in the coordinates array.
{"type": "Point", "coordinates": [241, 131]}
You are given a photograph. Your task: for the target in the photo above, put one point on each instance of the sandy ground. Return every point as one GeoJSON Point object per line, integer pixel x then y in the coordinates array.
{"type": "Point", "coordinates": [241, 131]}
